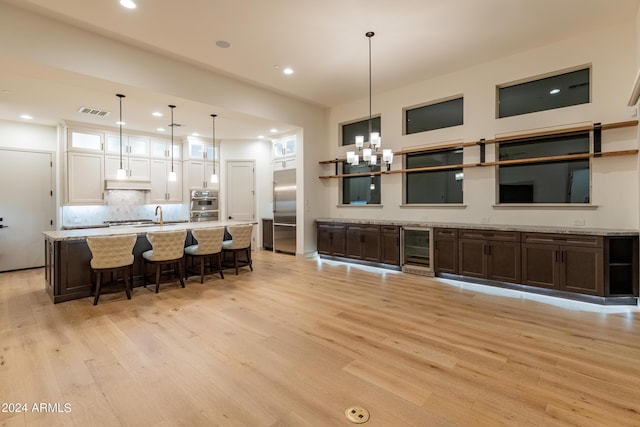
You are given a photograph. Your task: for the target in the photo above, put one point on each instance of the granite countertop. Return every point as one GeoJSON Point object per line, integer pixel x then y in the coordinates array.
{"type": "Point", "coordinates": [496, 227]}
{"type": "Point", "coordinates": [79, 234]}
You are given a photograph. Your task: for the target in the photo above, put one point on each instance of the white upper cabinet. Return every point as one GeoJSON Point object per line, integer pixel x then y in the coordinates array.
{"type": "Point", "coordinates": [131, 145]}
{"type": "Point", "coordinates": [201, 150]}
{"type": "Point", "coordinates": [161, 149]}
{"type": "Point", "coordinates": [284, 147]}
{"type": "Point", "coordinates": [85, 140]}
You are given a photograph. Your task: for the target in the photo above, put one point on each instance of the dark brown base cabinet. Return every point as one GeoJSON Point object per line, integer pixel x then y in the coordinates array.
{"type": "Point", "coordinates": [565, 262]}
{"type": "Point", "coordinates": [363, 242]}
{"type": "Point", "coordinates": [267, 234]}
{"type": "Point", "coordinates": [390, 245]}
{"type": "Point", "coordinates": [332, 239]}
{"type": "Point", "coordinates": [369, 243]}
{"type": "Point", "coordinates": [590, 265]}
{"type": "Point", "coordinates": [445, 253]}
{"type": "Point", "coordinates": [604, 266]}
{"type": "Point", "coordinates": [486, 254]}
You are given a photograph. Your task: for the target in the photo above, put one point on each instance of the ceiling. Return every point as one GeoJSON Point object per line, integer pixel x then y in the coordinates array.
{"type": "Point", "coordinates": [323, 42]}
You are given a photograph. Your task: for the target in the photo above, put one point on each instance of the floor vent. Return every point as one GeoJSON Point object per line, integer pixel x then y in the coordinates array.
{"type": "Point", "coordinates": [93, 112]}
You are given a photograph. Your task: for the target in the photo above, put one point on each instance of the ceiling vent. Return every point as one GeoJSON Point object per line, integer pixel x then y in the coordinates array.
{"type": "Point", "coordinates": [93, 112]}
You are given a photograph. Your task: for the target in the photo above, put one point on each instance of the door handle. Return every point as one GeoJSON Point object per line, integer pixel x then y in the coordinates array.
{"type": "Point", "coordinates": [230, 218]}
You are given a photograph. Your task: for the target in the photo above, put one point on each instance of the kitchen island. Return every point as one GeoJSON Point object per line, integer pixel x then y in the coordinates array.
{"type": "Point", "coordinates": [67, 256]}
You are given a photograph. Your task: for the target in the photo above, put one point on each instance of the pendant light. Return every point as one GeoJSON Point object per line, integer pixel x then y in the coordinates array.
{"type": "Point", "coordinates": [369, 154]}
{"type": "Point", "coordinates": [121, 173]}
{"type": "Point", "coordinates": [214, 176]}
{"type": "Point", "coordinates": [172, 174]}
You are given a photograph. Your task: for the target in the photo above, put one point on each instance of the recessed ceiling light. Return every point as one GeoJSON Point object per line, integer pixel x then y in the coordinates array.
{"type": "Point", "coordinates": [156, 114]}
{"type": "Point", "coordinates": [120, 123]}
{"type": "Point", "coordinates": [129, 4]}
{"type": "Point", "coordinates": [260, 136]}
{"type": "Point", "coordinates": [160, 129]}
{"type": "Point", "coordinates": [288, 71]}
{"type": "Point", "coordinates": [26, 117]}
{"type": "Point", "coordinates": [554, 91]}
{"type": "Point", "coordinates": [223, 44]}
{"type": "Point", "coordinates": [195, 134]}
{"type": "Point", "coordinates": [273, 130]}
{"type": "Point", "coordinates": [6, 91]}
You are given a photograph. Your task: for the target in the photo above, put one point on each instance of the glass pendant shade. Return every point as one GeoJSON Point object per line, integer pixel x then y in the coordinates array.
{"type": "Point", "coordinates": [214, 178]}
{"type": "Point", "coordinates": [366, 154]}
{"type": "Point", "coordinates": [121, 174]}
{"type": "Point", "coordinates": [359, 142]}
{"type": "Point", "coordinates": [172, 176]}
{"type": "Point", "coordinates": [355, 160]}
{"type": "Point", "coordinates": [373, 160]}
{"type": "Point", "coordinates": [375, 140]}
{"type": "Point", "coordinates": [350, 155]}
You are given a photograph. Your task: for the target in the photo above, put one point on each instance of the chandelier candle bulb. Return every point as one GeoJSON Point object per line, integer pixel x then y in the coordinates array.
{"type": "Point", "coordinates": [359, 142]}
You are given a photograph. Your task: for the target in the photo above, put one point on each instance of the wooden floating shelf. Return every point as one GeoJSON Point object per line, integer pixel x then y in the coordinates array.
{"type": "Point", "coordinates": [584, 128]}
{"type": "Point", "coordinates": [496, 163]}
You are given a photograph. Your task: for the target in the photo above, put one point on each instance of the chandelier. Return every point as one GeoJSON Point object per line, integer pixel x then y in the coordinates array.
{"type": "Point", "coordinates": [370, 154]}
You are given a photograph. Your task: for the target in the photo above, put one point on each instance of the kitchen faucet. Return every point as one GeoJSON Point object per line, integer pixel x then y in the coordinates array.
{"type": "Point", "coordinates": [159, 207]}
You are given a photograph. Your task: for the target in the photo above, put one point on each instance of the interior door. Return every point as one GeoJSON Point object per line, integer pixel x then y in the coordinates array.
{"type": "Point", "coordinates": [241, 191]}
{"type": "Point", "coordinates": [26, 207]}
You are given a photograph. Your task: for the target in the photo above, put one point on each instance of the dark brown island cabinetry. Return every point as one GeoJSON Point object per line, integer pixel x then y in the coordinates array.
{"type": "Point", "coordinates": [369, 243]}
{"type": "Point", "coordinates": [445, 254]}
{"type": "Point", "coordinates": [488, 254]}
{"type": "Point", "coordinates": [567, 262]}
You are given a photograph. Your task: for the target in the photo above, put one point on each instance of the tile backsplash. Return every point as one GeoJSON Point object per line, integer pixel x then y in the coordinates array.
{"type": "Point", "coordinates": [121, 205]}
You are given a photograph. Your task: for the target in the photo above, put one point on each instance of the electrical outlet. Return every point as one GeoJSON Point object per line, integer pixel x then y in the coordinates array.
{"type": "Point", "coordinates": [579, 222]}
{"type": "Point", "coordinates": [77, 220]}
{"type": "Point", "coordinates": [485, 220]}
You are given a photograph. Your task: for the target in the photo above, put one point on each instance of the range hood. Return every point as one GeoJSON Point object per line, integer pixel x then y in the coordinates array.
{"type": "Point", "coordinates": [127, 184]}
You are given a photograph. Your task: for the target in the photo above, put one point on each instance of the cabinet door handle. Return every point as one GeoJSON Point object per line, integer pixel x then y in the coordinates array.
{"type": "Point", "coordinates": [562, 256]}
{"type": "Point", "coordinates": [488, 249]}
{"type": "Point", "coordinates": [555, 253]}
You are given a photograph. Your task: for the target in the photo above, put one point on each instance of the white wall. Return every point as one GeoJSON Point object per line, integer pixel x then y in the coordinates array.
{"type": "Point", "coordinates": [612, 54]}
{"type": "Point", "coordinates": [28, 136]}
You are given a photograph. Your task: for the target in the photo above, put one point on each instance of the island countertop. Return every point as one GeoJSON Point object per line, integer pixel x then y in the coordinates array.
{"type": "Point", "coordinates": [79, 234]}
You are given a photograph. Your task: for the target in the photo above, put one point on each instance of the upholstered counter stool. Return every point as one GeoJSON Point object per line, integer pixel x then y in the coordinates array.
{"type": "Point", "coordinates": [112, 254]}
{"type": "Point", "coordinates": [209, 246]}
{"type": "Point", "coordinates": [240, 243]}
{"type": "Point", "coordinates": [167, 248]}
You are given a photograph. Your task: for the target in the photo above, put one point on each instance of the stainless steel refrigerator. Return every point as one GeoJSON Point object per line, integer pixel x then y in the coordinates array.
{"type": "Point", "coordinates": [284, 211]}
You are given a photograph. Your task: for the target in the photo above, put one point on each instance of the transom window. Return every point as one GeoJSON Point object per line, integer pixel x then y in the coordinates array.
{"type": "Point", "coordinates": [561, 90]}
{"type": "Point", "coordinates": [349, 131]}
{"type": "Point", "coordinates": [434, 116]}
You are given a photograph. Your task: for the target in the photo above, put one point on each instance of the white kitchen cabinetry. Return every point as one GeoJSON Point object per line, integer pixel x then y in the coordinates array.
{"type": "Point", "coordinates": [85, 178]}
{"type": "Point", "coordinates": [138, 169]}
{"type": "Point", "coordinates": [199, 175]}
{"type": "Point", "coordinates": [200, 150]}
{"type": "Point", "coordinates": [163, 190]}
{"type": "Point", "coordinates": [85, 140]}
{"type": "Point", "coordinates": [135, 157]}
{"type": "Point", "coordinates": [161, 149]}
{"type": "Point", "coordinates": [200, 164]}
{"type": "Point", "coordinates": [284, 153]}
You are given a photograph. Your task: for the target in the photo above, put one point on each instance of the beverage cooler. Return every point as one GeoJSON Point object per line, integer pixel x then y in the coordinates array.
{"type": "Point", "coordinates": [416, 250]}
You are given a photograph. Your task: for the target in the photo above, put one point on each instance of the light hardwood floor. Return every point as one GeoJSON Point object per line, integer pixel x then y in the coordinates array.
{"type": "Point", "coordinates": [298, 341]}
